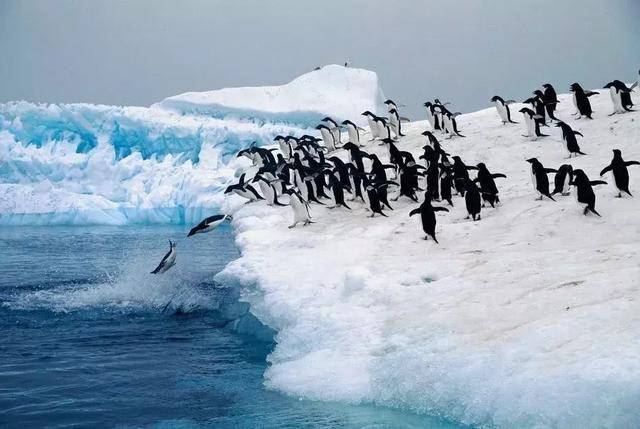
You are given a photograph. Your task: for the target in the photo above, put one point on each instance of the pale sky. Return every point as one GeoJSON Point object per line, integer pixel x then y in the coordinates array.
{"type": "Point", "coordinates": [138, 52]}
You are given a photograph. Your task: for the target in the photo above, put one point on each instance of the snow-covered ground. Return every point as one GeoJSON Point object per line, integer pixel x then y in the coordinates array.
{"type": "Point", "coordinates": [93, 164]}
{"type": "Point", "coordinates": [527, 318]}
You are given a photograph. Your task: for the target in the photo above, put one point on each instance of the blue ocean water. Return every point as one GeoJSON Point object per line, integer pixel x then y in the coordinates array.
{"type": "Point", "coordinates": [90, 339]}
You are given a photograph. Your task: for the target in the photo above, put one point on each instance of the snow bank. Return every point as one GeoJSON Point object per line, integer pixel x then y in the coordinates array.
{"type": "Point", "coordinates": [527, 318]}
{"type": "Point", "coordinates": [303, 101]}
{"type": "Point", "coordinates": [90, 164]}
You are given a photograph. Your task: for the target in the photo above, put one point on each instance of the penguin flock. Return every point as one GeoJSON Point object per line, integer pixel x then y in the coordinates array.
{"type": "Point", "coordinates": [333, 169]}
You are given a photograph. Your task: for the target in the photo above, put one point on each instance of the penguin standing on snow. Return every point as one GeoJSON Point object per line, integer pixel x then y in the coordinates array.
{"type": "Point", "coordinates": [472, 200]}
{"type": "Point", "coordinates": [395, 123]}
{"type": "Point", "coordinates": [539, 178]}
{"type": "Point", "coordinates": [620, 97]}
{"type": "Point", "coordinates": [488, 187]}
{"type": "Point", "coordinates": [337, 189]}
{"type": "Point", "coordinates": [584, 191]}
{"type": "Point", "coordinates": [569, 137]}
{"type": "Point", "coordinates": [618, 167]}
{"type": "Point", "coordinates": [168, 260]}
{"type": "Point", "coordinates": [428, 217]}
{"type": "Point", "coordinates": [581, 100]}
{"type": "Point", "coordinates": [538, 106]}
{"type": "Point", "coordinates": [353, 132]}
{"type": "Point", "coordinates": [334, 127]}
{"type": "Point", "coordinates": [562, 180]}
{"type": "Point", "coordinates": [503, 109]}
{"type": "Point", "coordinates": [373, 126]}
{"type": "Point", "coordinates": [268, 189]}
{"type": "Point", "coordinates": [244, 190]}
{"type": "Point", "coordinates": [533, 126]}
{"type": "Point", "coordinates": [550, 99]}
{"type": "Point", "coordinates": [300, 208]}
{"type": "Point", "coordinates": [328, 137]}
{"type": "Point", "coordinates": [446, 183]}
{"type": "Point", "coordinates": [208, 224]}
{"type": "Point", "coordinates": [432, 116]}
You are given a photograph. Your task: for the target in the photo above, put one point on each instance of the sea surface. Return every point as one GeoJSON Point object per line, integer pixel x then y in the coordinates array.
{"type": "Point", "coordinates": [90, 339]}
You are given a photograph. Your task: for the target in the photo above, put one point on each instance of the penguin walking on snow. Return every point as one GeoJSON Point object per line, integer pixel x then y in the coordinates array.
{"type": "Point", "coordinates": [472, 200]}
{"type": "Point", "coordinates": [533, 126]}
{"type": "Point", "coordinates": [620, 97]}
{"type": "Point", "coordinates": [562, 180]}
{"type": "Point", "coordinates": [208, 224]}
{"type": "Point", "coordinates": [540, 179]}
{"type": "Point", "coordinates": [503, 109]}
{"type": "Point", "coordinates": [300, 208]}
{"type": "Point", "coordinates": [584, 191]}
{"type": "Point", "coordinates": [581, 100]}
{"type": "Point", "coordinates": [550, 99]}
{"type": "Point", "coordinates": [353, 132]}
{"type": "Point", "coordinates": [432, 116]}
{"type": "Point", "coordinates": [488, 187]}
{"type": "Point", "coordinates": [618, 167]}
{"type": "Point", "coordinates": [428, 217]}
{"type": "Point", "coordinates": [168, 260]}
{"type": "Point", "coordinates": [569, 137]}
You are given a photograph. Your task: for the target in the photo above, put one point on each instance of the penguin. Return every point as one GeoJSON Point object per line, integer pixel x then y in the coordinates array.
{"type": "Point", "coordinates": [569, 137]}
{"type": "Point", "coordinates": [373, 126]}
{"type": "Point", "coordinates": [244, 190]}
{"type": "Point", "coordinates": [167, 261]}
{"type": "Point", "coordinates": [208, 224]}
{"type": "Point", "coordinates": [391, 105]}
{"type": "Point", "coordinates": [550, 99]}
{"type": "Point", "coordinates": [428, 217]}
{"type": "Point", "coordinates": [328, 137]}
{"type": "Point", "coordinates": [533, 126]}
{"type": "Point", "coordinates": [268, 189]}
{"type": "Point", "coordinates": [450, 124]}
{"type": "Point", "coordinates": [581, 100]}
{"type": "Point", "coordinates": [460, 174]}
{"type": "Point", "coordinates": [384, 130]}
{"type": "Point", "coordinates": [337, 189]}
{"type": "Point", "coordinates": [353, 132]}
{"type": "Point", "coordinates": [562, 180]}
{"type": "Point", "coordinates": [538, 106]}
{"type": "Point", "coordinates": [284, 145]}
{"type": "Point", "coordinates": [584, 191]}
{"type": "Point", "coordinates": [395, 123]}
{"type": "Point", "coordinates": [356, 156]}
{"type": "Point", "coordinates": [488, 187]}
{"type": "Point", "coordinates": [620, 97]}
{"type": "Point", "coordinates": [432, 175]}
{"type": "Point", "coordinates": [432, 116]}
{"type": "Point", "coordinates": [503, 109]}
{"type": "Point", "coordinates": [300, 208]}
{"type": "Point", "coordinates": [446, 183]}
{"type": "Point", "coordinates": [540, 179]}
{"type": "Point", "coordinates": [472, 200]}
{"type": "Point", "coordinates": [334, 128]}
{"type": "Point", "coordinates": [618, 167]}
{"type": "Point", "coordinates": [373, 197]}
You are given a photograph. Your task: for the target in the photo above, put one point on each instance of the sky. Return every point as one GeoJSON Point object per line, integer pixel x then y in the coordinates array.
{"type": "Point", "coordinates": [463, 51]}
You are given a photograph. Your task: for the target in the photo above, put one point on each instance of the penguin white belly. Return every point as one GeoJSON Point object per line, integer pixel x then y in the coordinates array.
{"type": "Point", "coordinates": [327, 138]}
{"type": "Point", "coordinates": [284, 148]}
{"type": "Point", "coordinates": [353, 135]}
{"type": "Point", "coordinates": [267, 192]}
{"type": "Point", "coordinates": [300, 213]}
{"type": "Point", "coordinates": [575, 102]}
{"type": "Point", "coordinates": [169, 262]}
{"type": "Point", "coordinates": [531, 127]}
{"type": "Point", "coordinates": [501, 111]}
{"type": "Point", "coordinates": [431, 119]}
{"type": "Point", "coordinates": [617, 100]}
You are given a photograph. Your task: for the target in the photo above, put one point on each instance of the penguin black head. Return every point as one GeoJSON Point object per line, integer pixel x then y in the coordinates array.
{"type": "Point", "coordinates": [547, 86]}
{"type": "Point", "coordinates": [481, 166]}
{"type": "Point", "coordinates": [609, 85]}
{"type": "Point", "coordinates": [496, 98]}
{"type": "Point", "coordinates": [427, 104]}
{"type": "Point", "coordinates": [538, 93]}
{"type": "Point", "coordinates": [575, 87]}
{"type": "Point", "coordinates": [388, 141]}
{"type": "Point", "coordinates": [367, 113]}
{"type": "Point", "coordinates": [532, 160]}
{"type": "Point", "coordinates": [617, 153]}
{"type": "Point", "coordinates": [389, 101]}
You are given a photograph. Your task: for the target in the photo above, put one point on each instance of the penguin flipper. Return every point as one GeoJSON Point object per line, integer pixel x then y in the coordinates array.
{"type": "Point", "coordinates": [597, 182]}
{"type": "Point", "coordinates": [414, 212]}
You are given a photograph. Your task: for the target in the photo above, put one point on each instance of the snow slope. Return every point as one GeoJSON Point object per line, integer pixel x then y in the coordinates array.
{"type": "Point", "coordinates": [304, 101]}
{"type": "Point", "coordinates": [527, 318]}
{"type": "Point", "coordinates": [91, 164]}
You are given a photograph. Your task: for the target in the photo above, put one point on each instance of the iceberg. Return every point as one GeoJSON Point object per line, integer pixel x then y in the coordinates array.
{"type": "Point", "coordinates": [96, 164]}
{"type": "Point", "coordinates": [529, 318]}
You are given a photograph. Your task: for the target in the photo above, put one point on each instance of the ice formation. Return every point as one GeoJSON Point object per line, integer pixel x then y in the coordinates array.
{"type": "Point", "coordinates": [527, 318]}
{"type": "Point", "coordinates": [91, 164]}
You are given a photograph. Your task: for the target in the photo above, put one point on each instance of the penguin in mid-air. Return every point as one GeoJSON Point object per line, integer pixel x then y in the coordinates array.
{"type": "Point", "coordinates": [428, 217]}
{"type": "Point", "coordinates": [618, 168]}
{"type": "Point", "coordinates": [208, 224]}
{"type": "Point", "coordinates": [569, 137]}
{"type": "Point", "coordinates": [620, 96]}
{"type": "Point", "coordinates": [540, 179]}
{"type": "Point", "coordinates": [584, 191]}
{"type": "Point", "coordinates": [167, 261]}
{"type": "Point", "coordinates": [533, 126]}
{"type": "Point", "coordinates": [562, 180]}
{"type": "Point", "coordinates": [581, 100]}
{"type": "Point", "coordinates": [503, 109]}
{"type": "Point", "coordinates": [550, 99]}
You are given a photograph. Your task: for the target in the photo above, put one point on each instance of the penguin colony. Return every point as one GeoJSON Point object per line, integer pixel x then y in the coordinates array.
{"type": "Point", "coordinates": [306, 170]}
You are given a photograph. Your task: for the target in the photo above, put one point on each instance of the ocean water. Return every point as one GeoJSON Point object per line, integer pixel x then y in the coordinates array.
{"type": "Point", "coordinates": [90, 339]}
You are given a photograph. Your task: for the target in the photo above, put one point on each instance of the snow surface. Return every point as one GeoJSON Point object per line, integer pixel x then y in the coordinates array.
{"type": "Point", "coordinates": [92, 164]}
{"type": "Point", "coordinates": [341, 92]}
{"type": "Point", "coordinates": [527, 318]}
